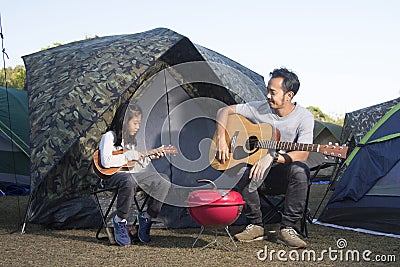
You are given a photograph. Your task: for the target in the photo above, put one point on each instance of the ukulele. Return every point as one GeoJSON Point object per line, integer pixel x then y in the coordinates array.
{"type": "Point", "coordinates": [248, 142]}
{"type": "Point", "coordinates": [105, 173]}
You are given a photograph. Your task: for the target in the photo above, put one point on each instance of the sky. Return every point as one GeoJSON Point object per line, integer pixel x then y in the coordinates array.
{"type": "Point", "coordinates": [345, 52]}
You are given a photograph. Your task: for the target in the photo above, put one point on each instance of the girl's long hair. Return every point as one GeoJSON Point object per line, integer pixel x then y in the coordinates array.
{"type": "Point", "coordinates": [124, 113]}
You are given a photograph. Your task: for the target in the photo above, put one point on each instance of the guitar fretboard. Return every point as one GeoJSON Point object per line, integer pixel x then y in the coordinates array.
{"type": "Point", "coordinates": [278, 145]}
{"type": "Point", "coordinates": [151, 152]}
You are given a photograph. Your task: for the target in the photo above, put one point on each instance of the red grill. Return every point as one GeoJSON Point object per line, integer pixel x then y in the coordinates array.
{"type": "Point", "coordinates": [215, 209]}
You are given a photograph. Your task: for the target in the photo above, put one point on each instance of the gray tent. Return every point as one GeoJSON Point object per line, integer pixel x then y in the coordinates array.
{"type": "Point", "coordinates": [324, 132]}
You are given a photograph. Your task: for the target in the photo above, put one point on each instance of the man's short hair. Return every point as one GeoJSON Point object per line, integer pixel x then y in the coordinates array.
{"type": "Point", "coordinates": [290, 80]}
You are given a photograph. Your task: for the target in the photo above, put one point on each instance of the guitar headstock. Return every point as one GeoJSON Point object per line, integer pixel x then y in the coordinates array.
{"type": "Point", "coordinates": [335, 150]}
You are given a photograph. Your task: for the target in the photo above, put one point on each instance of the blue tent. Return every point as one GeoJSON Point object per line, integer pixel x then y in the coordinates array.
{"type": "Point", "coordinates": [367, 195]}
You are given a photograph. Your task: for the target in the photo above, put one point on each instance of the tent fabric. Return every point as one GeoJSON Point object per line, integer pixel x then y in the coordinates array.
{"type": "Point", "coordinates": [324, 132]}
{"type": "Point", "coordinates": [374, 162]}
{"type": "Point", "coordinates": [14, 106]}
{"type": "Point", "coordinates": [380, 157]}
{"type": "Point", "coordinates": [388, 185]}
{"type": "Point", "coordinates": [358, 123]}
{"type": "Point", "coordinates": [14, 138]}
{"type": "Point", "coordinates": [334, 130]}
{"type": "Point", "coordinates": [369, 213]}
{"type": "Point", "coordinates": [356, 126]}
{"type": "Point", "coordinates": [73, 92]}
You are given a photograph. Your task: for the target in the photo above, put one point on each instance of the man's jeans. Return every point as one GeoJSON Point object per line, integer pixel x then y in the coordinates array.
{"type": "Point", "coordinates": [291, 180]}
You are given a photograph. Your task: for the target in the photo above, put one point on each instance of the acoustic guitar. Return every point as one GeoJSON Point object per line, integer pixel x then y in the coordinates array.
{"type": "Point", "coordinates": [105, 173]}
{"type": "Point", "coordinates": [248, 142]}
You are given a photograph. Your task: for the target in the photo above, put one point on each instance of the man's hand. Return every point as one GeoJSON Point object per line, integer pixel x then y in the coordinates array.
{"type": "Point", "coordinates": [222, 150]}
{"type": "Point", "coordinates": [258, 170]}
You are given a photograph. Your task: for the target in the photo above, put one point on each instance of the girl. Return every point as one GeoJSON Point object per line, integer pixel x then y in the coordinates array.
{"type": "Point", "coordinates": [127, 181]}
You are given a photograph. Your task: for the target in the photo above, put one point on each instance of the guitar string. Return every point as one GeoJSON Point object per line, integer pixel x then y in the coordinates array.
{"type": "Point", "coordinates": [272, 144]}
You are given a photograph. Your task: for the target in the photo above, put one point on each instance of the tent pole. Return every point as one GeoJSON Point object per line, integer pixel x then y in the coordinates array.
{"type": "Point", "coordinates": [9, 118]}
{"type": "Point", "coordinates": [320, 203]}
{"type": "Point", "coordinates": [335, 172]}
{"type": "Point", "coordinates": [28, 209]}
{"type": "Point", "coordinates": [169, 118]}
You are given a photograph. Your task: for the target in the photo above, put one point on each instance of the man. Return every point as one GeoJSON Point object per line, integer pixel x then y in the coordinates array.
{"type": "Point", "coordinates": [288, 174]}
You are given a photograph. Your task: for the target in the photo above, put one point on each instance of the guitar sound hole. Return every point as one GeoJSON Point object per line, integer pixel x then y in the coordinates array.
{"type": "Point", "coordinates": [251, 143]}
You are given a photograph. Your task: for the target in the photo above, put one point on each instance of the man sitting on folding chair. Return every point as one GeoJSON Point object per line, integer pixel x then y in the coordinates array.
{"type": "Point", "coordinates": [295, 124]}
{"type": "Point", "coordinates": [127, 180]}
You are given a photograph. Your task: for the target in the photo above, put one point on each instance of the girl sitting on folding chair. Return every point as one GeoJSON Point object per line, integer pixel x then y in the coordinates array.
{"type": "Point", "coordinates": [127, 180]}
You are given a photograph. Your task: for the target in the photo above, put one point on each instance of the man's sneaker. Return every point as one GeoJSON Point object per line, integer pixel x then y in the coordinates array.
{"type": "Point", "coordinates": [251, 233]}
{"type": "Point", "coordinates": [289, 237]}
{"type": "Point", "coordinates": [121, 233]}
{"type": "Point", "coordinates": [144, 228]}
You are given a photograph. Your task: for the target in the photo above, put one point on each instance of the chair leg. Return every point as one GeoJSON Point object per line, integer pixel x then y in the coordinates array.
{"type": "Point", "coordinates": [303, 224]}
{"type": "Point", "coordinates": [306, 216]}
{"type": "Point", "coordinates": [140, 207]}
{"type": "Point", "coordinates": [274, 209]}
{"type": "Point", "coordinates": [104, 215]}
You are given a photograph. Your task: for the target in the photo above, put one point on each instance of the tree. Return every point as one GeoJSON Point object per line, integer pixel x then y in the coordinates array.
{"type": "Point", "coordinates": [15, 77]}
{"type": "Point", "coordinates": [55, 44]}
{"type": "Point", "coordinates": [320, 116]}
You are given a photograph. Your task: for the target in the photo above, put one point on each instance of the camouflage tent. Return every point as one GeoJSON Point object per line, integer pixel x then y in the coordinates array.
{"type": "Point", "coordinates": [74, 90]}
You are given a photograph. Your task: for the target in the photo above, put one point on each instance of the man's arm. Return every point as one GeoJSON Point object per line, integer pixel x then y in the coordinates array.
{"type": "Point", "coordinates": [295, 156]}
{"type": "Point", "coordinates": [222, 152]}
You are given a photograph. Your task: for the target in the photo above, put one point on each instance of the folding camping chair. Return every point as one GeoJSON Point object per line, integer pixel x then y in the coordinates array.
{"type": "Point", "coordinates": [274, 208]}
{"type": "Point", "coordinates": [275, 203]}
{"type": "Point", "coordinates": [140, 199]}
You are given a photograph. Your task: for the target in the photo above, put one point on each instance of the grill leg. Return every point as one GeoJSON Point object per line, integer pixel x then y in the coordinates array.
{"type": "Point", "coordinates": [215, 241]}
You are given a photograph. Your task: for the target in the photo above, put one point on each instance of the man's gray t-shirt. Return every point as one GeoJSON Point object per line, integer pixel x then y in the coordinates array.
{"type": "Point", "coordinates": [296, 127]}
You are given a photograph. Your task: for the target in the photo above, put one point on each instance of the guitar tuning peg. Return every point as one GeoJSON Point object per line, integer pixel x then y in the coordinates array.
{"type": "Point", "coordinates": [336, 144]}
{"type": "Point", "coordinates": [344, 145]}
{"type": "Point", "coordinates": [329, 143]}
{"type": "Point", "coordinates": [326, 157]}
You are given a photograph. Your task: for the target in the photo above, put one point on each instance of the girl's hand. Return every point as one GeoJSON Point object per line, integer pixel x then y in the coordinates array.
{"type": "Point", "coordinates": [132, 155]}
{"type": "Point", "coordinates": [160, 153]}
{"type": "Point", "coordinates": [140, 156]}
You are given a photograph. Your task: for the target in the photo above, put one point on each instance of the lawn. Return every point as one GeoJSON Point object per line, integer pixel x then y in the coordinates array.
{"type": "Point", "coordinates": [172, 247]}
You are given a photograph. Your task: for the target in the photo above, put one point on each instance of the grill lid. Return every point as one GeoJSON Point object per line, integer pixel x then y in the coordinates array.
{"type": "Point", "coordinates": [214, 197]}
